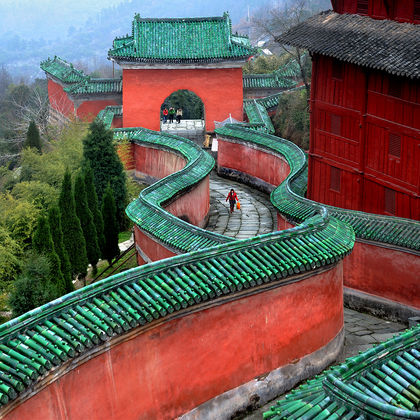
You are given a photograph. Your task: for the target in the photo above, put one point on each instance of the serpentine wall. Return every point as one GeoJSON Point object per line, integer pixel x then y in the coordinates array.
{"type": "Point", "coordinates": [209, 331]}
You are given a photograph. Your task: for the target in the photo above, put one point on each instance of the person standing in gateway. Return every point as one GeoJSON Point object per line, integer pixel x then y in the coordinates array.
{"type": "Point", "coordinates": [178, 115]}
{"type": "Point", "coordinates": [171, 114]}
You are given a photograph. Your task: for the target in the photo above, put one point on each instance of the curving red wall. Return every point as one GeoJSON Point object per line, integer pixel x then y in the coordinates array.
{"type": "Point", "coordinates": [172, 367]}
{"type": "Point", "coordinates": [150, 247]}
{"type": "Point", "coordinates": [156, 163]}
{"type": "Point", "coordinates": [193, 206]}
{"type": "Point", "coordinates": [59, 99]}
{"type": "Point", "coordinates": [267, 167]}
{"type": "Point", "coordinates": [384, 272]}
{"type": "Point", "coordinates": [144, 91]}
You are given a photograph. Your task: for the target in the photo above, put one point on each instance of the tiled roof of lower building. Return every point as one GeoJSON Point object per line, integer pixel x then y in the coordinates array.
{"type": "Point", "coordinates": [181, 41]}
{"type": "Point", "coordinates": [379, 44]}
{"type": "Point", "coordinates": [91, 85]}
{"type": "Point", "coordinates": [62, 70]}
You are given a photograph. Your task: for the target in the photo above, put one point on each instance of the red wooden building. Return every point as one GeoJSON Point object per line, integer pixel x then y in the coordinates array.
{"type": "Point", "coordinates": [365, 105]}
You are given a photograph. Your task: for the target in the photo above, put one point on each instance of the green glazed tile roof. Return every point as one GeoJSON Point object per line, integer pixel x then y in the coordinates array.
{"type": "Point", "coordinates": [92, 85]}
{"type": "Point", "coordinates": [181, 40]}
{"type": "Point", "coordinates": [266, 81]}
{"type": "Point", "coordinates": [284, 77]}
{"type": "Point", "coordinates": [62, 70]}
{"type": "Point", "coordinates": [381, 383]}
{"type": "Point", "coordinates": [107, 115]}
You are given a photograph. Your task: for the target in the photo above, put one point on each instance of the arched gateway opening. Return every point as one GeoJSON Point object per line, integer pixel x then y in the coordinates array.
{"type": "Point", "coordinates": [182, 114]}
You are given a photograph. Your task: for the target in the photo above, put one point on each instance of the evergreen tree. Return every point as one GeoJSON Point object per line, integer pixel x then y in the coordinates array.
{"type": "Point", "coordinates": [33, 139]}
{"type": "Point", "coordinates": [100, 154]}
{"type": "Point", "coordinates": [54, 218]}
{"type": "Point", "coordinates": [32, 287]}
{"type": "Point", "coordinates": [86, 220]}
{"type": "Point", "coordinates": [42, 243]}
{"type": "Point", "coordinates": [92, 199]}
{"type": "Point", "coordinates": [74, 241]}
{"type": "Point", "coordinates": [109, 210]}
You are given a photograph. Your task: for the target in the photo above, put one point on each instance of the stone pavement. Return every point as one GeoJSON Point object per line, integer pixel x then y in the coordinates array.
{"type": "Point", "coordinates": [256, 216]}
{"type": "Point", "coordinates": [363, 330]}
{"type": "Point", "coordinates": [190, 129]}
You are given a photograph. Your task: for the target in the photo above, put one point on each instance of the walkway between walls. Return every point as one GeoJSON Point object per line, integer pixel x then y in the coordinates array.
{"type": "Point", "coordinates": [256, 216]}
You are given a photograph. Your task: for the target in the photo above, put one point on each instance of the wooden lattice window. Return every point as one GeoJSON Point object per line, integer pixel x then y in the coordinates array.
{"type": "Point", "coordinates": [337, 70]}
{"type": "Point", "coordinates": [335, 179]}
{"type": "Point", "coordinates": [394, 145]}
{"type": "Point", "coordinates": [336, 124]}
{"type": "Point", "coordinates": [362, 7]}
{"type": "Point", "coordinates": [417, 9]}
{"type": "Point", "coordinates": [390, 200]}
{"type": "Point", "coordinates": [395, 87]}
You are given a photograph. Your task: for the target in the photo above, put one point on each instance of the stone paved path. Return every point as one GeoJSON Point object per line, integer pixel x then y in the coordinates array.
{"type": "Point", "coordinates": [182, 126]}
{"type": "Point", "coordinates": [256, 216]}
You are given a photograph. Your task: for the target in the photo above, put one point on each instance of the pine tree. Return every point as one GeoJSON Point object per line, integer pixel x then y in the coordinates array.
{"type": "Point", "coordinates": [54, 218]}
{"type": "Point", "coordinates": [92, 199]}
{"type": "Point", "coordinates": [74, 241]}
{"type": "Point", "coordinates": [109, 210]}
{"type": "Point", "coordinates": [33, 139]}
{"type": "Point", "coordinates": [86, 220]}
{"type": "Point", "coordinates": [42, 243]}
{"type": "Point", "coordinates": [100, 154]}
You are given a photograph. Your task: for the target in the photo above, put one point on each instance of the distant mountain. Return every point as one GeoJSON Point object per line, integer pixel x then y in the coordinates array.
{"type": "Point", "coordinates": [31, 31]}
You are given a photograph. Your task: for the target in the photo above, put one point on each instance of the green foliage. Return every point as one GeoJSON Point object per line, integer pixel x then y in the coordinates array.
{"type": "Point", "coordinates": [292, 119]}
{"type": "Point", "coordinates": [92, 199]}
{"type": "Point", "coordinates": [32, 288]}
{"type": "Point", "coordinates": [38, 193]}
{"type": "Point", "coordinates": [54, 219]}
{"type": "Point", "coordinates": [8, 179]}
{"type": "Point", "coordinates": [42, 243]}
{"type": "Point", "coordinates": [99, 153]}
{"type": "Point", "coordinates": [191, 104]}
{"type": "Point", "coordinates": [65, 152]}
{"type": "Point", "coordinates": [10, 252]}
{"type": "Point", "coordinates": [265, 64]}
{"type": "Point", "coordinates": [86, 220]}
{"type": "Point", "coordinates": [18, 217]}
{"type": "Point", "coordinates": [74, 241]}
{"type": "Point", "coordinates": [109, 209]}
{"type": "Point", "coordinates": [33, 139]}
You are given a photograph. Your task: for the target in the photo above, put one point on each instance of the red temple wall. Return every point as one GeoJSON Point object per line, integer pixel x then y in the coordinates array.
{"type": "Point", "coordinates": [156, 163]}
{"type": "Point", "coordinates": [365, 138]}
{"type": "Point", "coordinates": [194, 206]}
{"type": "Point", "coordinates": [88, 110]}
{"type": "Point", "coordinates": [176, 365]}
{"type": "Point", "coordinates": [145, 90]}
{"type": "Point", "coordinates": [384, 272]}
{"type": "Point", "coordinates": [269, 168]}
{"type": "Point", "coordinates": [59, 99]}
{"type": "Point", "coordinates": [150, 247]}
